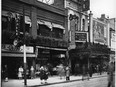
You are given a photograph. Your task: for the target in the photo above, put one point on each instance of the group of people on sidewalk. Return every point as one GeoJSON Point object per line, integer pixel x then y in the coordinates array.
{"type": "Point", "coordinates": [29, 75]}
{"type": "Point", "coordinates": [62, 71]}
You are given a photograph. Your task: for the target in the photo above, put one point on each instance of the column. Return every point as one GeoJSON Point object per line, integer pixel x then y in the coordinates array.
{"type": "Point", "coordinates": [34, 22]}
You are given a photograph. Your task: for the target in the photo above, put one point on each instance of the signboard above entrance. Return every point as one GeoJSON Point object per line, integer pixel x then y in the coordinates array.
{"type": "Point", "coordinates": [13, 48]}
{"type": "Point", "coordinates": [81, 36]}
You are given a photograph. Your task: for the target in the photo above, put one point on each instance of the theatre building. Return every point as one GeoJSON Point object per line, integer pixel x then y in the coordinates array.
{"type": "Point", "coordinates": [45, 33]}
{"type": "Point", "coordinates": [95, 51]}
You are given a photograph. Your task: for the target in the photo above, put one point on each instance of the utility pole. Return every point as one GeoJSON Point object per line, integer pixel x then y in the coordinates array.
{"type": "Point", "coordinates": [24, 48]}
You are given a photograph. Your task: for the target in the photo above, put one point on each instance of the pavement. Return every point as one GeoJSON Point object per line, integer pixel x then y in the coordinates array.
{"type": "Point", "coordinates": [51, 80]}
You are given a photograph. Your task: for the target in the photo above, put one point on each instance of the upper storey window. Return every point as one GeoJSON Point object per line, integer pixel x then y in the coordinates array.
{"type": "Point", "coordinates": [49, 29]}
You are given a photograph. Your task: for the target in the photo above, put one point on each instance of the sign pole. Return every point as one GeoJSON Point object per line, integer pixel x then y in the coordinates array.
{"type": "Point", "coordinates": [24, 51]}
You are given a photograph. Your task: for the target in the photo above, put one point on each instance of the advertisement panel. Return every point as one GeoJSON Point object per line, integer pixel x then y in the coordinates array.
{"type": "Point", "coordinates": [13, 48]}
{"type": "Point", "coordinates": [81, 36]}
{"type": "Point", "coordinates": [99, 32]}
{"type": "Point", "coordinates": [113, 40]}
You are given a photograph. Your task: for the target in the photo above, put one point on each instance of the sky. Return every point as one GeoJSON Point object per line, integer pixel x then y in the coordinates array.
{"type": "Point", "coordinates": [107, 7]}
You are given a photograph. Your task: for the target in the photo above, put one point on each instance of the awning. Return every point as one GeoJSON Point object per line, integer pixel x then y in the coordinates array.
{"type": "Point", "coordinates": [8, 13]}
{"type": "Point", "coordinates": [59, 49]}
{"type": "Point", "coordinates": [58, 26]}
{"type": "Point", "coordinates": [17, 55]}
{"type": "Point", "coordinates": [48, 24]}
{"type": "Point", "coordinates": [27, 20]}
{"type": "Point", "coordinates": [90, 49]}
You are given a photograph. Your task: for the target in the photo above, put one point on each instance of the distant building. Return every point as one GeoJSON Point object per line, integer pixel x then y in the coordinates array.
{"type": "Point", "coordinates": [112, 44]}
{"type": "Point", "coordinates": [111, 33]}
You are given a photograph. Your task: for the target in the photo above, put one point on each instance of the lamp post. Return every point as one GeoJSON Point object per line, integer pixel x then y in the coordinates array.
{"type": "Point", "coordinates": [24, 48]}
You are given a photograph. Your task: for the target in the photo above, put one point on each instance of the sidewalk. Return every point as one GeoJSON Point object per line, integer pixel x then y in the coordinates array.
{"type": "Point", "coordinates": [51, 80]}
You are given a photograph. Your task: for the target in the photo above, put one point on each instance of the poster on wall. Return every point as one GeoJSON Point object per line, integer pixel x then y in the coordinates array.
{"type": "Point", "coordinates": [113, 40]}
{"type": "Point", "coordinates": [99, 32]}
{"type": "Point", "coordinates": [81, 36]}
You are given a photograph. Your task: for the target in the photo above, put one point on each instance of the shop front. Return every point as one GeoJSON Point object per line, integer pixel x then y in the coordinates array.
{"type": "Point", "coordinates": [52, 52]}
{"type": "Point", "coordinates": [89, 54]}
{"type": "Point", "coordinates": [13, 57]}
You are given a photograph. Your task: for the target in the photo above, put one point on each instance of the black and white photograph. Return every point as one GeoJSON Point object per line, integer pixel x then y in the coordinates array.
{"type": "Point", "coordinates": [58, 43]}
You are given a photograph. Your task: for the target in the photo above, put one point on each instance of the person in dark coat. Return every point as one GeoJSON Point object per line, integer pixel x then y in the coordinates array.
{"type": "Point", "coordinates": [85, 72]}
{"type": "Point", "coordinates": [90, 70]}
{"type": "Point", "coordinates": [43, 74]}
{"type": "Point", "coordinates": [110, 73]}
{"type": "Point", "coordinates": [67, 73]}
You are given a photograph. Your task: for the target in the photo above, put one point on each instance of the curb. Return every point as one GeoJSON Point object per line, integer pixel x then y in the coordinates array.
{"type": "Point", "coordinates": [66, 81]}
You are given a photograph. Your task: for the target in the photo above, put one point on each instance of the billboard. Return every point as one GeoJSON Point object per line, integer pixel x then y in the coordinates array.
{"type": "Point", "coordinates": [99, 32]}
{"type": "Point", "coordinates": [113, 40]}
{"type": "Point", "coordinates": [81, 36]}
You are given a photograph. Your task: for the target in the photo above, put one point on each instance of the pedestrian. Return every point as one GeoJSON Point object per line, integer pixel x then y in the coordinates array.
{"type": "Point", "coordinates": [90, 70]}
{"type": "Point", "coordinates": [43, 74]}
{"type": "Point", "coordinates": [32, 72]}
{"type": "Point", "coordinates": [110, 72]}
{"type": "Point", "coordinates": [67, 73]}
{"type": "Point", "coordinates": [50, 68]}
{"type": "Point", "coordinates": [76, 69]}
{"type": "Point", "coordinates": [85, 72]}
{"type": "Point", "coordinates": [6, 73]}
{"type": "Point", "coordinates": [27, 73]}
{"type": "Point", "coordinates": [61, 70]}
{"type": "Point", "coordinates": [20, 72]}
{"type": "Point", "coordinates": [97, 68]}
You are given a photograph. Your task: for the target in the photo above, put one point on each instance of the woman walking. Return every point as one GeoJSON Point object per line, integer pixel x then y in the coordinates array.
{"type": "Point", "coordinates": [61, 70]}
{"type": "Point", "coordinates": [20, 72]}
{"type": "Point", "coordinates": [32, 72]}
{"type": "Point", "coordinates": [43, 74]}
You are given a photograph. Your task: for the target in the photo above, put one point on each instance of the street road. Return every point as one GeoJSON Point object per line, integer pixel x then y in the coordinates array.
{"type": "Point", "coordinates": [96, 82]}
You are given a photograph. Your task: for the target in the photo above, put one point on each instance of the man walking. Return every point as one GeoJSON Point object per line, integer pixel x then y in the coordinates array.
{"type": "Point", "coordinates": [110, 74]}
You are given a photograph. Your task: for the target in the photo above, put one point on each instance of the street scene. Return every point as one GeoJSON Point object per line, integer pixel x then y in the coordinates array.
{"type": "Point", "coordinates": [58, 43]}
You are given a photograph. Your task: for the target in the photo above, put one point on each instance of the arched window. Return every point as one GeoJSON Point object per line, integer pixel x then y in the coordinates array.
{"type": "Point", "coordinates": [77, 24]}
{"type": "Point", "coordinates": [83, 25]}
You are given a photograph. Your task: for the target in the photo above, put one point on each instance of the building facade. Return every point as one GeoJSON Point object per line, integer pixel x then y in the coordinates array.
{"type": "Point", "coordinates": [77, 31]}
{"type": "Point", "coordinates": [45, 28]}
{"type": "Point", "coordinates": [112, 44]}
